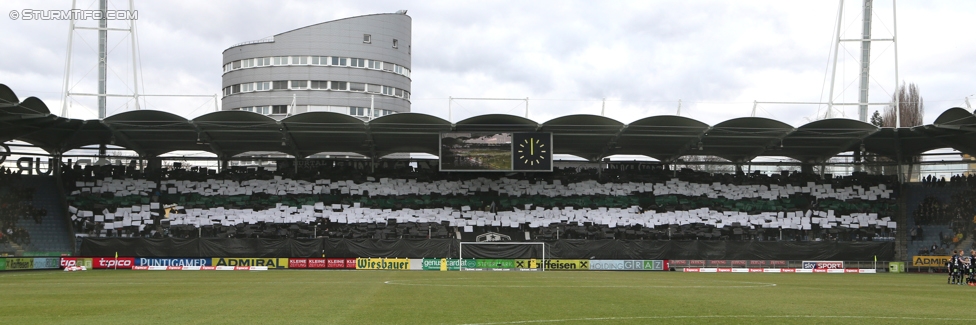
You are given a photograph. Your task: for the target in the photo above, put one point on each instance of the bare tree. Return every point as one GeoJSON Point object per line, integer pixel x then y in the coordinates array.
{"type": "Point", "coordinates": [912, 111]}
{"type": "Point", "coordinates": [911, 104]}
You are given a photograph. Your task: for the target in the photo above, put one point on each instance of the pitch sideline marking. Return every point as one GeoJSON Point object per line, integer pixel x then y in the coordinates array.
{"type": "Point", "coordinates": [750, 285]}
{"type": "Point", "coordinates": [602, 319]}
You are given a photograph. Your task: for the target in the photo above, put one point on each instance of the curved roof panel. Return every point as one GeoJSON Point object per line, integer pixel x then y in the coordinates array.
{"type": "Point", "coordinates": [956, 116]}
{"type": "Point", "coordinates": [819, 140]}
{"type": "Point", "coordinates": [316, 132]}
{"type": "Point", "coordinates": [743, 138]}
{"type": "Point", "coordinates": [662, 137]}
{"type": "Point", "coordinates": [33, 105]}
{"type": "Point", "coordinates": [584, 136]}
{"type": "Point", "coordinates": [665, 138]}
{"type": "Point", "coordinates": [407, 132]}
{"type": "Point", "coordinates": [7, 96]}
{"type": "Point", "coordinates": [497, 122]}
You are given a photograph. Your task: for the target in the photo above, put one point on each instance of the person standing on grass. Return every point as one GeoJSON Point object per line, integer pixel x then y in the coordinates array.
{"type": "Point", "coordinates": [952, 266]}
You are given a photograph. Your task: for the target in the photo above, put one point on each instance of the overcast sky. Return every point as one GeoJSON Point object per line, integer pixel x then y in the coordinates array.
{"type": "Point", "coordinates": [717, 57]}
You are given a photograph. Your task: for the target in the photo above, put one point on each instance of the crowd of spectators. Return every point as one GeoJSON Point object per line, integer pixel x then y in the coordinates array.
{"type": "Point", "coordinates": [954, 180]}
{"type": "Point", "coordinates": [360, 171]}
{"type": "Point", "coordinates": [959, 214]}
{"type": "Point", "coordinates": [15, 207]}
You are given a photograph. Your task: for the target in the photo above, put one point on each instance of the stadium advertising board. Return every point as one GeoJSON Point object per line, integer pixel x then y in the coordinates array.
{"type": "Point", "coordinates": [382, 264]}
{"type": "Point", "coordinates": [604, 265]}
{"type": "Point", "coordinates": [567, 265]}
{"type": "Point", "coordinates": [629, 265]}
{"type": "Point", "coordinates": [494, 263]}
{"type": "Point", "coordinates": [297, 263]}
{"type": "Point", "coordinates": [656, 265]}
{"type": "Point", "coordinates": [340, 263]}
{"type": "Point", "coordinates": [45, 263]}
{"type": "Point", "coordinates": [930, 261]}
{"type": "Point", "coordinates": [527, 264]}
{"type": "Point", "coordinates": [142, 261]}
{"type": "Point", "coordinates": [495, 151]}
{"type": "Point", "coordinates": [453, 264]}
{"type": "Point", "coordinates": [21, 263]}
{"type": "Point", "coordinates": [718, 263]}
{"type": "Point", "coordinates": [76, 261]}
{"type": "Point", "coordinates": [823, 265]}
{"type": "Point", "coordinates": [112, 262]}
{"type": "Point", "coordinates": [317, 263]}
{"type": "Point", "coordinates": [3, 263]}
{"type": "Point", "coordinates": [271, 263]}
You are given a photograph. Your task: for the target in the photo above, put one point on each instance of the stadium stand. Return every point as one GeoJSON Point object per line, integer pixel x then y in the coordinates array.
{"type": "Point", "coordinates": [402, 202]}
{"type": "Point", "coordinates": [942, 214]}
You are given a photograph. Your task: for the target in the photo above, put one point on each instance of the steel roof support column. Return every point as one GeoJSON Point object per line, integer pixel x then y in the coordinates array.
{"type": "Point", "coordinates": [204, 136]}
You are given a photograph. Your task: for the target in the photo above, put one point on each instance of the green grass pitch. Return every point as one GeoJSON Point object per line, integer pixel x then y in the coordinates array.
{"type": "Point", "coordinates": [428, 297]}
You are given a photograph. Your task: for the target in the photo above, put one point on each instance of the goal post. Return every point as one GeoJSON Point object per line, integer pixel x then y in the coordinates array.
{"type": "Point", "coordinates": [503, 256]}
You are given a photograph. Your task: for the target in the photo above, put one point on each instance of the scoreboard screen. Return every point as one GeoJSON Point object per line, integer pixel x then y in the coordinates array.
{"type": "Point", "coordinates": [496, 151]}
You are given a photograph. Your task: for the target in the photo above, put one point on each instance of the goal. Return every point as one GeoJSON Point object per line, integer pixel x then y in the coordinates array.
{"type": "Point", "coordinates": [503, 256]}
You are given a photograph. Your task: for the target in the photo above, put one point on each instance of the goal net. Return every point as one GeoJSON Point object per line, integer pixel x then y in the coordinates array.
{"type": "Point", "coordinates": [503, 256]}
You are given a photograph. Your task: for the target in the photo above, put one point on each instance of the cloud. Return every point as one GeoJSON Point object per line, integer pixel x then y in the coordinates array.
{"type": "Point", "coordinates": [566, 56]}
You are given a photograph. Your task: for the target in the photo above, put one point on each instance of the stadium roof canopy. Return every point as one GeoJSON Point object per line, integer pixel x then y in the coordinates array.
{"type": "Point", "coordinates": [666, 138]}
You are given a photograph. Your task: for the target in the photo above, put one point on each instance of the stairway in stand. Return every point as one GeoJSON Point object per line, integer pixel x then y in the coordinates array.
{"type": "Point", "coordinates": [52, 234]}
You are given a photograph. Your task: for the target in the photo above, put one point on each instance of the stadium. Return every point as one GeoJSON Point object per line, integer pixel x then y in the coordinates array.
{"type": "Point", "coordinates": [341, 215]}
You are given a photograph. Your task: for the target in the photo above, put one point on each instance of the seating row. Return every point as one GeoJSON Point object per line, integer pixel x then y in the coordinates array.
{"type": "Point", "coordinates": [506, 186]}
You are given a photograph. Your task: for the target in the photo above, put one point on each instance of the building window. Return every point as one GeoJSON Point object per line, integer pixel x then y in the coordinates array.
{"type": "Point", "coordinates": [359, 63]}
{"type": "Point", "coordinates": [316, 60]}
{"type": "Point", "coordinates": [387, 90]}
{"type": "Point", "coordinates": [237, 64]}
{"type": "Point", "coordinates": [338, 61]}
{"type": "Point", "coordinates": [358, 111]}
{"type": "Point", "coordinates": [281, 84]}
{"type": "Point", "coordinates": [299, 60]}
{"type": "Point", "coordinates": [377, 112]}
{"type": "Point", "coordinates": [396, 43]}
{"type": "Point", "coordinates": [299, 84]}
{"type": "Point", "coordinates": [263, 62]}
{"type": "Point", "coordinates": [226, 91]}
{"type": "Point", "coordinates": [320, 84]}
{"type": "Point", "coordinates": [388, 66]}
{"type": "Point", "coordinates": [247, 87]}
{"type": "Point", "coordinates": [247, 63]}
{"type": "Point", "coordinates": [340, 85]}
{"type": "Point", "coordinates": [398, 92]}
{"type": "Point", "coordinates": [228, 67]}
{"type": "Point", "coordinates": [367, 38]}
{"type": "Point", "coordinates": [355, 86]}
{"type": "Point", "coordinates": [264, 85]}
{"type": "Point", "coordinates": [235, 89]}
{"type": "Point", "coordinates": [279, 109]}
{"type": "Point", "coordinates": [374, 88]}
{"type": "Point", "coordinates": [280, 60]}
{"type": "Point", "coordinates": [263, 110]}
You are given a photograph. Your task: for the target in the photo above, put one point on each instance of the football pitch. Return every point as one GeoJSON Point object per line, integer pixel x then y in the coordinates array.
{"type": "Point", "coordinates": [429, 297]}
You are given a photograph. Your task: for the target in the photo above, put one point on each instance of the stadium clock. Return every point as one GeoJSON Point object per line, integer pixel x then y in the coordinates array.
{"type": "Point", "coordinates": [532, 151]}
